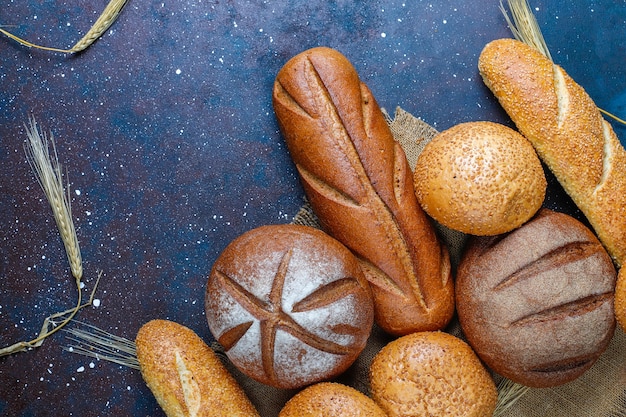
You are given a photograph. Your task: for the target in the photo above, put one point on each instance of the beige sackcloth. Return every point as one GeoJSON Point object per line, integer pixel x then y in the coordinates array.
{"type": "Point", "coordinates": [600, 392]}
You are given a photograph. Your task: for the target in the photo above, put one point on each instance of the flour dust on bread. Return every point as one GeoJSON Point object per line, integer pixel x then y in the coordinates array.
{"type": "Point", "coordinates": [568, 131]}
{"type": "Point", "coordinates": [289, 304]}
{"type": "Point", "coordinates": [536, 304]}
{"type": "Point", "coordinates": [359, 183]}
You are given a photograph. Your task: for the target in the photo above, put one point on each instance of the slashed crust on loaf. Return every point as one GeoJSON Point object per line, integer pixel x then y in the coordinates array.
{"type": "Point", "coordinates": [360, 186]}
{"type": "Point", "coordinates": [568, 132]}
{"type": "Point", "coordinates": [184, 374]}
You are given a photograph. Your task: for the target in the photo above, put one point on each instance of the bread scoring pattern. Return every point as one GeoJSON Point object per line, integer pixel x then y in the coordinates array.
{"type": "Point", "coordinates": [536, 304]}
{"type": "Point", "coordinates": [289, 304]}
{"type": "Point", "coordinates": [273, 317]}
{"type": "Point", "coordinates": [360, 186]}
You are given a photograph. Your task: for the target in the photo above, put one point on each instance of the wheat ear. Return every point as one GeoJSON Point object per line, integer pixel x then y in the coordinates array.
{"type": "Point", "coordinates": [50, 177]}
{"type": "Point", "coordinates": [525, 28]}
{"type": "Point", "coordinates": [106, 19]}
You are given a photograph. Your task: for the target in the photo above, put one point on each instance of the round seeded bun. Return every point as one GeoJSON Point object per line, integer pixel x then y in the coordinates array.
{"type": "Point", "coordinates": [431, 374]}
{"type": "Point", "coordinates": [480, 178]}
{"type": "Point", "coordinates": [330, 399]}
{"type": "Point", "coordinates": [620, 298]}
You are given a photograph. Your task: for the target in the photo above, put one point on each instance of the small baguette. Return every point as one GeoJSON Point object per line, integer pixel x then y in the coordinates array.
{"type": "Point", "coordinates": [568, 132]}
{"type": "Point", "coordinates": [185, 375]}
{"type": "Point", "coordinates": [360, 186]}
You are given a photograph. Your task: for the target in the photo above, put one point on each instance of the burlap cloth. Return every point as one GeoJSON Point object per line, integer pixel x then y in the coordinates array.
{"type": "Point", "coordinates": [600, 392]}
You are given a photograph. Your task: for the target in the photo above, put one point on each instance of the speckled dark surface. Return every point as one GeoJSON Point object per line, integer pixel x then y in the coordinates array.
{"type": "Point", "coordinates": [166, 129]}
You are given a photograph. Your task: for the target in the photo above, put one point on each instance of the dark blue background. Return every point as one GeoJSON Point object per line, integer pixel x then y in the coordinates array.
{"type": "Point", "coordinates": [166, 128]}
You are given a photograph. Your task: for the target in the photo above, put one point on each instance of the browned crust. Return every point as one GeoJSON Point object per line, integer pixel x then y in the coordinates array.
{"type": "Point", "coordinates": [329, 399]}
{"type": "Point", "coordinates": [568, 132]}
{"type": "Point", "coordinates": [431, 373]}
{"type": "Point", "coordinates": [169, 354]}
{"type": "Point", "coordinates": [536, 304]}
{"type": "Point", "coordinates": [359, 184]}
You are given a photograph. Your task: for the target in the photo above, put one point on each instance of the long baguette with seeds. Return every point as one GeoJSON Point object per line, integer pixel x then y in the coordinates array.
{"type": "Point", "coordinates": [568, 132]}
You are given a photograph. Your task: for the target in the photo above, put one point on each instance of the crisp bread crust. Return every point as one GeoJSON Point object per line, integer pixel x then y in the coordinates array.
{"type": "Point", "coordinates": [360, 186]}
{"type": "Point", "coordinates": [431, 374]}
{"type": "Point", "coordinates": [185, 375]}
{"type": "Point", "coordinates": [568, 132]}
{"type": "Point", "coordinates": [536, 304]}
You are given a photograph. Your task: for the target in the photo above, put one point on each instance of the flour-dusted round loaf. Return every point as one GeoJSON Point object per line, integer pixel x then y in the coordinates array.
{"type": "Point", "coordinates": [536, 304]}
{"type": "Point", "coordinates": [289, 304]}
{"type": "Point", "coordinates": [431, 374]}
{"type": "Point", "coordinates": [480, 178]}
{"type": "Point", "coordinates": [620, 298]}
{"type": "Point", "coordinates": [330, 399]}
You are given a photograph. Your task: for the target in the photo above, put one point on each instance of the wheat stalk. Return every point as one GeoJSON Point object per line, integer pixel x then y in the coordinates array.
{"type": "Point", "coordinates": [96, 343]}
{"type": "Point", "coordinates": [50, 177]}
{"type": "Point", "coordinates": [106, 19]}
{"type": "Point", "coordinates": [524, 25]}
{"type": "Point", "coordinates": [48, 172]}
{"type": "Point", "coordinates": [508, 394]}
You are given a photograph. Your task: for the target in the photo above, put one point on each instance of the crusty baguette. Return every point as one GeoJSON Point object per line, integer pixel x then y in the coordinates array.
{"type": "Point", "coordinates": [568, 132]}
{"type": "Point", "coordinates": [185, 375]}
{"type": "Point", "coordinates": [360, 185]}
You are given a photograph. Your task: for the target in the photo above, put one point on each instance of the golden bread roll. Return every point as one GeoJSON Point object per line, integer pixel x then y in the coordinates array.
{"type": "Point", "coordinates": [289, 304]}
{"type": "Point", "coordinates": [480, 178]}
{"type": "Point", "coordinates": [431, 374]}
{"type": "Point", "coordinates": [620, 299]}
{"type": "Point", "coordinates": [536, 304]}
{"type": "Point", "coordinates": [568, 132]}
{"type": "Point", "coordinates": [360, 186]}
{"type": "Point", "coordinates": [185, 375]}
{"type": "Point", "coordinates": [330, 399]}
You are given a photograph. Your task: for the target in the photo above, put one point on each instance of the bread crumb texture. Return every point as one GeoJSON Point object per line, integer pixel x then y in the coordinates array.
{"type": "Point", "coordinates": [431, 374]}
{"type": "Point", "coordinates": [330, 399]}
{"type": "Point", "coordinates": [480, 178]}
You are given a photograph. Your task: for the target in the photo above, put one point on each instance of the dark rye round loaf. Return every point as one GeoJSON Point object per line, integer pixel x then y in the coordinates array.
{"type": "Point", "coordinates": [536, 304]}
{"type": "Point", "coordinates": [289, 304]}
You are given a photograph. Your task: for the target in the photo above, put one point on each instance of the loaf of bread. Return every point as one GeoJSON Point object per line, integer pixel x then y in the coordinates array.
{"type": "Point", "coordinates": [185, 375]}
{"type": "Point", "coordinates": [480, 178]}
{"type": "Point", "coordinates": [536, 304]}
{"type": "Point", "coordinates": [289, 304]}
{"type": "Point", "coordinates": [330, 399]}
{"type": "Point", "coordinates": [568, 132]}
{"type": "Point", "coordinates": [359, 183]}
{"type": "Point", "coordinates": [431, 374]}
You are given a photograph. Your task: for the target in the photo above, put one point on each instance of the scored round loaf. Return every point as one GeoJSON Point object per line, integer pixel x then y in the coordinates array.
{"type": "Point", "coordinates": [289, 304]}
{"type": "Point", "coordinates": [431, 374]}
{"type": "Point", "coordinates": [480, 178]}
{"type": "Point", "coordinates": [620, 298]}
{"type": "Point", "coordinates": [330, 399]}
{"type": "Point", "coordinates": [536, 304]}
